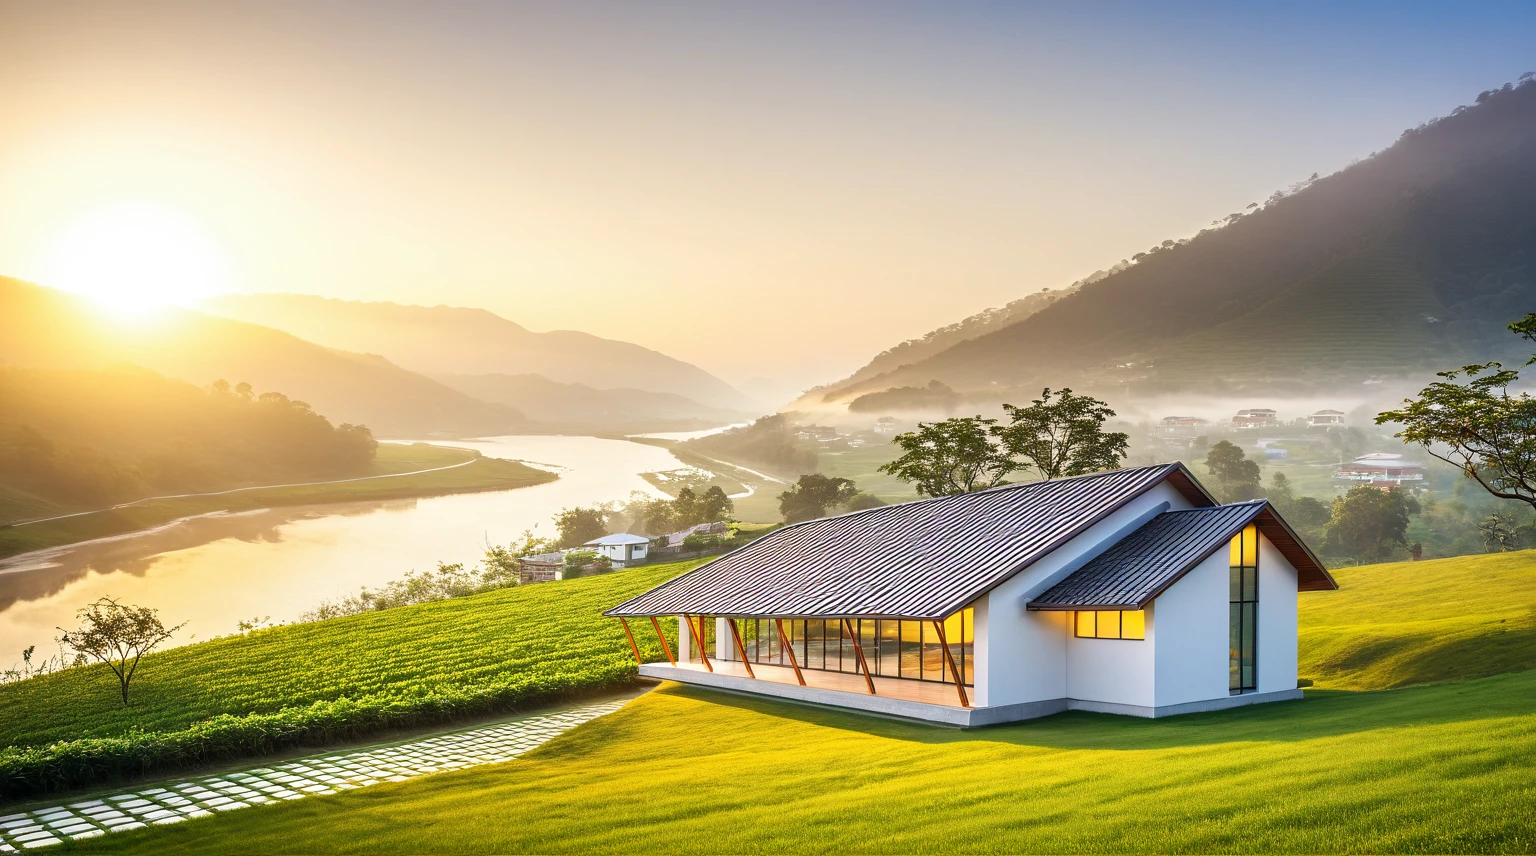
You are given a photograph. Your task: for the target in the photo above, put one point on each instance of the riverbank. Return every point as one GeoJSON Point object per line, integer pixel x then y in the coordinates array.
{"type": "Point", "coordinates": [399, 471]}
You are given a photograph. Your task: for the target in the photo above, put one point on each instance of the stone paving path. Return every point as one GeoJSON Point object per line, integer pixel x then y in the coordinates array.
{"type": "Point", "coordinates": [290, 780]}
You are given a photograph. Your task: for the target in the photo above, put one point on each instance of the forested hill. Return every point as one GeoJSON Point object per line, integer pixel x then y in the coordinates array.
{"type": "Point", "coordinates": [465, 341]}
{"type": "Point", "coordinates": [1409, 261]}
{"type": "Point", "coordinates": [87, 438]}
{"type": "Point", "coordinates": [45, 328]}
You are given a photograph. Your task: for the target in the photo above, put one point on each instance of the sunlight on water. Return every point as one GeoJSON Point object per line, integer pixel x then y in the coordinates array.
{"type": "Point", "coordinates": [217, 570]}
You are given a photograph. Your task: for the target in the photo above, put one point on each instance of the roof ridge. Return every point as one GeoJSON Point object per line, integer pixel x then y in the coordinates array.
{"type": "Point", "coordinates": [1259, 501]}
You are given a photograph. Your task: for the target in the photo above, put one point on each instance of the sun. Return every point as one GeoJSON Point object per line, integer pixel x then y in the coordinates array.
{"type": "Point", "coordinates": [135, 258]}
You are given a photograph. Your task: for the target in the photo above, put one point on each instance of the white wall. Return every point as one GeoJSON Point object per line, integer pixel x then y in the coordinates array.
{"type": "Point", "coordinates": [1112, 670]}
{"type": "Point", "coordinates": [1277, 620]}
{"type": "Point", "coordinates": [1192, 634]}
{"type": "Point", "coordinates": [1021, 656]}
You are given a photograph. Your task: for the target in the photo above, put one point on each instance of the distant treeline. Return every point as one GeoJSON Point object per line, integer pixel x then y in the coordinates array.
{"type": "Point", "coordinates": [768, 443]}
{"type": "Point", "coordinates": [85, 438]}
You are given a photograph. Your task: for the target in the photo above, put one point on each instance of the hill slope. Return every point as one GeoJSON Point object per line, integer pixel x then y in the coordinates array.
{"type": "Point", "coordinates": [46, 328]}
{"type": "Point", "coordinates": [454, 340]}
{"type": "Point", "coordinates": [1405, 263]}
{"type": "Point", "coordinates": [576, 406]}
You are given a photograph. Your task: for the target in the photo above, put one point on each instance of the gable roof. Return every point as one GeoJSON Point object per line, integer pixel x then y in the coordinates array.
{"type": "Point", "coordinates": [923, 559]}
{"type": "Point", "coordinates": [1141, 566]}
{"type": "Point", "coordinates": [617, 540]}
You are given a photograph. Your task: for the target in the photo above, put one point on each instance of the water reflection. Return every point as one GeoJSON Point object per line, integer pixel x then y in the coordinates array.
{"type": "Point", "coordinates": [215, 570]}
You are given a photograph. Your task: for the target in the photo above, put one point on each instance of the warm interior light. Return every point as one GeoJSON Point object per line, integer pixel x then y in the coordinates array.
{"type": "Point", "coordinates": [135, 258]}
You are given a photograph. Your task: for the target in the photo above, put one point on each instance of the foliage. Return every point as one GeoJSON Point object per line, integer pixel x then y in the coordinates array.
{"type": "Point", "coordinates": [933, 397]}
{"type": "Point", "coordinates": [1477, 425]}
{"type": "Point", "coordinates": [1237, 478]}
{"type": "Point", "coordinates": [579, 525]}
{"type": "Point", "coordinates": [697, 542]}
{"type": "Point", "coordinates": [582, 558]}
{"type": "Point", "coordinates": [768, 443]}
{"type": "Point", "coordinates": [1307, 514]}
{"type": "Point", "coordinates": [957, 455]}
{"type": "Point", "coordinates": [307, 684]}
{"type": "Point", "coordinates": [1065, 437]}
{"type": "Point", "coordinates": [83, 438]}
{"type": "Point", "coordinates": [119, 636]}
{"type": "Point", "coordinates": [1367, 523]}
{"type": "Point", "coordinates": [811, 496]}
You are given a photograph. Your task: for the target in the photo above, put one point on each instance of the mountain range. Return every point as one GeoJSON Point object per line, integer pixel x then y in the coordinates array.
{"type": "Point", "coordinates": [458, 340]}
{"type": "Point", "coordinates": [1407, 262]}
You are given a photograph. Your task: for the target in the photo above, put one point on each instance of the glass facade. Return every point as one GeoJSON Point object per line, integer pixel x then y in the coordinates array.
{"type": "Point", "coordinates": [1110, 624]}
{"type": "Point", "coordinates": [1243, 612]}
{"type": "Point", "coordinates": [892, 648]}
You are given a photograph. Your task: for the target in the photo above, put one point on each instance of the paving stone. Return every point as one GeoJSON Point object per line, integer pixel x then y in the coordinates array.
{"type": "Point", "coordinates": [42, 842]}
{"type": "Point", "coordinates": [32, 836]}
{"type": "Point", "coordinates": [86, 804]}
{"type": "Point", "coordinates": [76, 829]}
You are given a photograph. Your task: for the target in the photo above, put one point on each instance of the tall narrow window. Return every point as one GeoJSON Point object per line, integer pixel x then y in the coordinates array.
{"type": "Point", "coordinates": [1243, 613]}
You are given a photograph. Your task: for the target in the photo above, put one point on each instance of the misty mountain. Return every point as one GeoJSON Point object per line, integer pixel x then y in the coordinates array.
{"type": "Point", "coordinates": [1405, 263]}
{"type": "Point", "coordinates": [578, 407]}
{"type": "Point", "coordinates": [45, 328]}
{"type": "Point", "coordinates": [454, 340]}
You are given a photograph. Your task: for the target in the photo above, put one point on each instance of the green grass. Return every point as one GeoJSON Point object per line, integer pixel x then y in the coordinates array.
{"type": "Point", "coordinates": [1447, 766]}
{"type": "Point", "coordinates": [479, 474]}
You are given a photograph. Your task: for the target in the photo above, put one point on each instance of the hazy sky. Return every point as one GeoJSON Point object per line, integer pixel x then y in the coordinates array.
{"type": "Point", "coordinates": [776, 190]}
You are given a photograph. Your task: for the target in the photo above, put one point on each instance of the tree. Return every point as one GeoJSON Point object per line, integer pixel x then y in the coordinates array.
{"type": "Point", "coordinates": [1306, 513]}
{"type": "Point", "coordinates": [1237, 478]}
{"type": "Point", "coordinates": [1367, 523]}
{"type": "Point", "coordinates": [687, 506]}
{"type": "Point", "coordinates": [1500, 533]}
{"type": "Point", "coordinates": [955, 456]}
{"type": "Point", "coordinates": [119, 636]}
{"type": "Point", "coordinates": [714, 505]}
{"type": "Point", "coordinates": [579, 525]}
{"type": "Point", "coordinates": [1471, 420]}
{"type": "Point", "coordinates": [812, 495]}
{"type": "Point", "coordinates": [1065, 437]}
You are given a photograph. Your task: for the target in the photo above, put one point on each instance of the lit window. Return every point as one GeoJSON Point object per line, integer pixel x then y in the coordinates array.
{"type": "Point", "coordinates": [1110, 624]}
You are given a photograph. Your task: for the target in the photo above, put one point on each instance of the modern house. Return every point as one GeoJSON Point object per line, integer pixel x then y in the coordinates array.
{"type": "Point", "coordinates": [1130, 591]}
{"type": "Point", "coordinates": [1256, 417]}
{"type": "Point", "coordinates": [622, 549]}
{"type": "Point", "coordinates": [1183, 424]}
{"type": "Point", "coordinates": [1383, 470]}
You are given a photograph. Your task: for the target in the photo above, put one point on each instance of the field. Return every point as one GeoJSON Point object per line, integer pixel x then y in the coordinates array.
{"type": "Point", "coordinates": [477, 474]}
{"type": "Point", "coordinates": [1445, 765]}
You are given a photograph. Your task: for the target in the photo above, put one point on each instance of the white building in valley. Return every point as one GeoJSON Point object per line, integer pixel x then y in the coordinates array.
{"type": "Point", "coordinates": [623, 549]}
{"type": "Point", "coordinates": [1128, 592]}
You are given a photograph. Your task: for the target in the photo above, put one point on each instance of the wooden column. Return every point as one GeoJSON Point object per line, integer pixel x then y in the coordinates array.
{"type": "Point", "coordinates": [788, 647]}
{"type": "Point", "coordinates": [698, 641]}
{"type": "Point", "coordinates": [950, 659]}
{"type": "Point", "coordinates": [665, 649]}
{"type": "Point", "coordinates": [740, 649]}
{"type": "Point", "coordinates": [858, 651]}
{"type": "Point", "coordinates": [632, 645]}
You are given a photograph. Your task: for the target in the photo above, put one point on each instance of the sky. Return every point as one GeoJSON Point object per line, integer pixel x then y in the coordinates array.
{"type": "Point", "coordinates": [771, 191]}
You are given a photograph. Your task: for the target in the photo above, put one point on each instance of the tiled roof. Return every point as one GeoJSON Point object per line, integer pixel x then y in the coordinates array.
{"type": "Point", "coordinates": [923, 559]}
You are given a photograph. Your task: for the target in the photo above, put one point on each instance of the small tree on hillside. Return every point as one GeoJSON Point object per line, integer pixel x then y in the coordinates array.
{"type": "Point", "coordinates": [812, 495]}
{"type": "Point", "coordinates": [1237, 478]}
{"type": "Point", "coordinates": [1470, 419]}
{"type": "Point", "coordinates": [955, 456]}
{"type": "Point", "coordinates": [579, 525]}
{"type": "Point", "coordinates": [1065, 437]}
{"type": "Point", "coordinates": [119, 636]}
{"type": "Point", "coordinates": [714, 505]}
{"type": "Point", "coordinates": [1367, 523]}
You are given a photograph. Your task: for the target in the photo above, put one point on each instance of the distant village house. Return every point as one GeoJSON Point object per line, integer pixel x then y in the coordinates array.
{"type": "Point", "coordinates": [1257, 417]}
{"type": "Point", "coordinates": [1382, 470]}
{"type": "Point", "coordinates": [622, 549]}
{"type": "Point", "coordinates": [1326, 419]}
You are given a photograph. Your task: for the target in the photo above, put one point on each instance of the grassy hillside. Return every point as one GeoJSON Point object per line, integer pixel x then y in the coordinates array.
{"type": "Point", "coordinates": [1405, 263]}
{"type": "Point", "coordinates": [457, 340]}
{"type": "Point", "coordinates": [45, 328]}
{"type": "Point", "coordinates": [1442, 767]}
{"type": "Point", "coordinates": [477, 473]}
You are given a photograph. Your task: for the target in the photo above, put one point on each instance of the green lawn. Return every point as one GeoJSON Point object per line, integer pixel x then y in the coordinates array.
{"type": "Point", "coordinates": [1448, 765]}
{"type": "Point", "coordinates": [478, 474]}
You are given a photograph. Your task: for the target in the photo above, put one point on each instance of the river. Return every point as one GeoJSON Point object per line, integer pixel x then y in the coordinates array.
{"type": "Point", "coordinates": [217, 570]}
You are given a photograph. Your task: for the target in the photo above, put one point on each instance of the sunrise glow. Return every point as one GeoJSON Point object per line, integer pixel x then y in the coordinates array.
{"type": "Point", "coordinates": [135, 258]}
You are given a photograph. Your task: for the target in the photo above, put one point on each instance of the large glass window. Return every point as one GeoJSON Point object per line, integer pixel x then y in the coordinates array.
{"type": "Point", "coordinates": [891, 648]}
{"type": "Point", "coordinates": [1243, 612]}
{"type": "Point", "coordinates": [1110, 624]}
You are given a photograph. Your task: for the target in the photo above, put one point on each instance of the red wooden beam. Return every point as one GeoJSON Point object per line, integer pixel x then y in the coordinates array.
{"type": "Point", "coordinates": [950, 658]}
{"type": "Point", "coordinates": [665, 648]}
{"type": "Point", "coordinates": [788, 647]}
{"type": "Point", "coordinates": [698, 639]}
{"type": "Point", "coordinates": [858, 651]}
{"type": "Point", "coordinates": [736, 635]}
{"type": "Point", "coordinates": [632, 645]}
